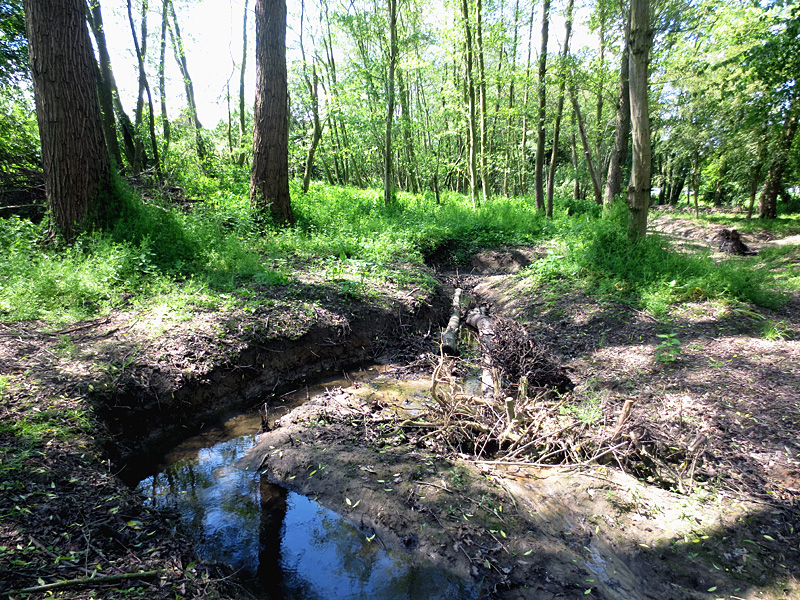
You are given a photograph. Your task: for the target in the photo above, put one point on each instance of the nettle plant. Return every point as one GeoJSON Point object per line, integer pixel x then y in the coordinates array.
{"type": "Point", "coordinates": [669, 349]}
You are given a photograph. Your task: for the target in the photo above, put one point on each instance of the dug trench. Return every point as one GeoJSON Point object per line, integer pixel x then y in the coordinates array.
{"type": "Point", "coordinates": [441, 488]}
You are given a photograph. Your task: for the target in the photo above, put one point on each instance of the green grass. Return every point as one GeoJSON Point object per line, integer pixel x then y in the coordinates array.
{"type": "Point", "coordinates": [217, 252]}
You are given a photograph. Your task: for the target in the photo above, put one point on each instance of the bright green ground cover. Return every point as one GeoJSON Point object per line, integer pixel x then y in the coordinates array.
{"type": "Point", "coordinates": [205, 255]}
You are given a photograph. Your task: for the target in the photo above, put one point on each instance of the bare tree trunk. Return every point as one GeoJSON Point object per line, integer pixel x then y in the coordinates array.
{"type": "Point", "coordinates": [551, 175]}
{"type": "Point", "coordinates": [388, 187]}
{"type": "Point", "coordinates": [141, 52]}
{"type": "Point", "coordinates": [523, 167]}
{"type": "Point", "coordinates": [109, 84]}
{"type": "Point", "coordinates": [587, 149]}
{"type": "Point", "coordinates": [641, 41]}
{"type": "Point", "coordinates": [180, 58]}
{"type": "Point", "coordinates": [470, 89]}
{"type": "Point", "coordinates": [242, 123]}
{"type": "Point", "coordinates": [513, 71]}
{"type": "Point", "coordinates": [539, 172]}
{"type": "Point", "coordinates": [77, 171]}
{"type": "Point", "coordinates": [269, 182]}
{"type": "Point", "coordinates": [162, 86]}
{"type": "Point", "coordinates": [620, 152]}
{"type": "Point", "coordinates": [104, 91]}
{"type": "Point", "coordinates": [482, 97]}
{"type": "Point", "coordinates": [408, 138]}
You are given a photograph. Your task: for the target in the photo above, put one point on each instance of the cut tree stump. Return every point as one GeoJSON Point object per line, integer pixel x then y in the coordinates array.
{"type": "Point", "coordinates": [730, 242]}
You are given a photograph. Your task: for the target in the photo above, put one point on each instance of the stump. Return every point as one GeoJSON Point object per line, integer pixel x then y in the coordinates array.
{"type": "Point", "coordinates": [730, 242]}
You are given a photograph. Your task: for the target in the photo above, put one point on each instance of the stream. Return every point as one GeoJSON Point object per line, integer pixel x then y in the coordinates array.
{"type": "Point", "coordinates": [283, 544]}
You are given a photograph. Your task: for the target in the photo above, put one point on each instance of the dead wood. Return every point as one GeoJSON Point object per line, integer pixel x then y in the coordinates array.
{"type": "Point", "coordinates": [450, 335]}
{"type": "Point", "coordinates": [730, 242]}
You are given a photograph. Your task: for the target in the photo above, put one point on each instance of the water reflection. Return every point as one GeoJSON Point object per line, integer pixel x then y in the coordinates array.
{"type": "Point", "coordinates": [290, 546]}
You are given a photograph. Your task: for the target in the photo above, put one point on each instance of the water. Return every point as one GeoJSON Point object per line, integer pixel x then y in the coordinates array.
{"type": "Point", "coordinates": [288, 546]}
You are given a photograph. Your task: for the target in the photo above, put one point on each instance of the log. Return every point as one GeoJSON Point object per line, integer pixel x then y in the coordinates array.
{"type": "Point", "coordinates": [450, 335]}
{"type": "Point", "coordinates": [479, 319]}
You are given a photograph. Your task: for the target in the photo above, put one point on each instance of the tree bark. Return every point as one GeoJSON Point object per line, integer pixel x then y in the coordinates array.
{"type": "Point", "coordinates": [269, 182]}
{"type": "Point", "coordinates": [623, 129]}
{"type": "Point", "coordinates": [470, 89]}
{"type": "Point", "coordinates": [639, 191]}
{"type": "Point", "coordinates": [551, 175]}
{"type": "Point", "coordinates": [109, 87]}
{"type": "Point", "coordinates": [75, 160]}
{"type": "Point", "coordinates": [587, 149]}
{"type": "Point", "coordinates": [388, 185]}
{"type": "Point", "coordinates": [242, 124]}
{"type": "Point", "coordinates": [539, 168]}
{"type": "Point", "coordinates": [450, 335]}
{"type": "Point", "coordinates": [162, 86]}
{"type": "Point", "coordinates": [482, 100]}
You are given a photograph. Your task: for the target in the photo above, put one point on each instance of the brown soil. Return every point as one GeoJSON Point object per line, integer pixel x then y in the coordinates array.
{"type": "Point", "coordinates": [730, 395]}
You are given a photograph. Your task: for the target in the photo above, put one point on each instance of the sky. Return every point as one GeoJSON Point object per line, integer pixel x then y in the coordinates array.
{"type": "Point", "coordinates": [212, 35]}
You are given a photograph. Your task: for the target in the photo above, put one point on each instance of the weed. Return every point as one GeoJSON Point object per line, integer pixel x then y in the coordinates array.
{"type": "Point", "coordinates": [669, 349]}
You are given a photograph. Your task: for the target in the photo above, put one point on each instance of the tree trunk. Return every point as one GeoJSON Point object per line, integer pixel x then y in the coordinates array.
{"type": "Point", "coordinates": [768, 203]}
{"type": "Point", "coordinates": [513, 72]}
{"type": "Point", "coordinates": [104, 91]}
{"type": "Point", "coordinates": [269, 182]}
{"type": "Point", "coordinates": [639, 192]}
{"type": "Point", "coordinates": [162, 86]}
{"type": "Point", "coordinates": [523, 166]}
{"type": "Point", "coordinates": [242, 123]}
{"type": "Point", "coordinates": [551, 175]}
{"type": "Point", "coordinates": [75, 160]}
{"type": "Point", "coordinates": [470, 90]}
{"type": "Point", "coordinates": [388, 185]}
{"type": "Point", "coordinates": [180, 58]}
{"type": "Point", "coordinates": [109, 87]}
{"type": "Point", "coordinates": [143, 86]}
{"type": "Point", "coordinates": [620, 152]}
{"type": "Point", "coordinates": [587, 149]}
{"type": "Point", "coordinates": [482, 97]}
{"type": "Point", "coordinates": [539, 169]}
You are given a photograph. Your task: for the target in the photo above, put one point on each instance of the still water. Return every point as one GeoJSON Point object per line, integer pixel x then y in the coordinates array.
{"type": "Point", "coordinates": [287, 545]}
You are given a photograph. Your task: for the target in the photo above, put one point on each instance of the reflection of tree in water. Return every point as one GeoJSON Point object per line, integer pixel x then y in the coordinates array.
{"type": "Point", "coordinates": [218, 503]}
{"type": "Point", "coordinates": [273, 511]}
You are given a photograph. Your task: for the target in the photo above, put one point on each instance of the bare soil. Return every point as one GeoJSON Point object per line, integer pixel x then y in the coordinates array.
{"type": "Point", "coordinates": [723, 525]}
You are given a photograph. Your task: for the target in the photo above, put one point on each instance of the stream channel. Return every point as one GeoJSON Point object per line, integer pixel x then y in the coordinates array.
{"type": "Point", "coordinates": [282, 544]}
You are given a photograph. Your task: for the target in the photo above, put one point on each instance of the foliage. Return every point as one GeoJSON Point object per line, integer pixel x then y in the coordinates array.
{"type": "Point", "coordinates": [597, 254]}
{"type": "Point", "coordinates": [19, 143]}
{"type": "Point", "coordinates": [13, 43]}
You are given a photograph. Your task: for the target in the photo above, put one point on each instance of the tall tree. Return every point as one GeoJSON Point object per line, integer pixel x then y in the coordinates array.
{"type": "Point", "coordinates": [539, 168]}
{"type": "Point", "coordinates": [388, 183]}
{"type": "Point", "coordinates": [242, 127]}
{"type": "Point", "coordinates": [269, 180]}
{"type": "Point", "coordinates": [551, 175]}
{"type": "Point", "coordinates": [469, 82]}
{"type": "Point", "coordinates": [180, 58]}
{"type": "Point", "coordinates": [75, 160]}
{"type": "Point", "coordinates": [641, 41]}
{"type": "Point", "coordinates": [620, 151]}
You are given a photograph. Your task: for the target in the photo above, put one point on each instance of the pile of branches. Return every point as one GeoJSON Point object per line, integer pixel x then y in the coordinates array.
{"type": "Point", "coordinates": [523, 411]}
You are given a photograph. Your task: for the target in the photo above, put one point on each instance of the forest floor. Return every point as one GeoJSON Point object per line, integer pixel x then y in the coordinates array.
{"type": "Point", "coordinates": [77, 405]}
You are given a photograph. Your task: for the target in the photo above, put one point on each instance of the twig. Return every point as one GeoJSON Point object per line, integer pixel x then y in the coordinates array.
{"type": "Point", "coordinates": [91, 581]}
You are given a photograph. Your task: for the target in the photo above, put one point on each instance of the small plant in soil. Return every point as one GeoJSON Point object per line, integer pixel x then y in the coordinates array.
{"type": "Point", "coordinates": [669, 349]}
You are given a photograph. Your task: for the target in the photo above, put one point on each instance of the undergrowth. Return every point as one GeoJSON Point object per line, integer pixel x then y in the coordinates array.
{"type": "Point", "coordinates": [199, 256]}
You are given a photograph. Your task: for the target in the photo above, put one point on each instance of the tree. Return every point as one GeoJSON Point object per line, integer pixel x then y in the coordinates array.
{"type": "Point", "coordinates": [269, 180]}
{"type": "Point", "coordinates": [623, 128]}
{"type": "Point", "coordinates": [388, 185]}
{"type": "Point", "coordinates": [539, 168]}
{"type": "Point", "coordinates": [76, 165]}
{"type": "Point", "coordinates": [641, 41]}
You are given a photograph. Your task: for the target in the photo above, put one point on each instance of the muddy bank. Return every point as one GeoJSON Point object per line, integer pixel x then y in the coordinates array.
{"type": "Point", "coordinates": [77, 404]}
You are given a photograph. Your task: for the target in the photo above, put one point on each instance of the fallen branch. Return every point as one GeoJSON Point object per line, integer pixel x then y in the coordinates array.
{"type": "Point", "coordinates": [450, 335]}
{"type": "Point", "coordinates": [91, 581]}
